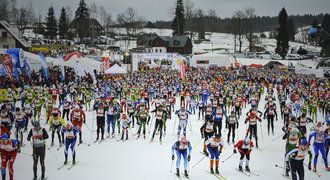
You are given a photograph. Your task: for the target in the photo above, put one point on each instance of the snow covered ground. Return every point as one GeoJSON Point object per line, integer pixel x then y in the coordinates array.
{"type": "Point", "coordinates": [142, 160]}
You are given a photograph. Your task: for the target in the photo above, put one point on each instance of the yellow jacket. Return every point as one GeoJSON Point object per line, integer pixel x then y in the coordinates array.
{"type": "Point", "coordinates": [60, 121]}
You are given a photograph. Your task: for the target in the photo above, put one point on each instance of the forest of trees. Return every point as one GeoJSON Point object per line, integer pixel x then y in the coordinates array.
{"type": "Point", "coordinates": [261, 23]}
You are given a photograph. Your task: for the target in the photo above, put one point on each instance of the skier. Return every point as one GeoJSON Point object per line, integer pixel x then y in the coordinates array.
{"type": "Point", "coordinates": [5, 117]}
{"type": "Point", "coordinates": [125, 122]}
{"type": "Point", "coordinates": [100, 119]}
{"type": "Point", "coordinates": [302, 123]}
{"type": "Point", "coordinates": [70, 132]}
{"type": "Point", "coordinates": [28, 112]}
{"type": "Point", "coordinates": [231, 125]}
{"type": "Point", "coordinates": [270, 113]}
{"type": "Point", "coordinates": [19, 124]}
{"type": "Point", "coordinates": [77, 118]}
{"type": "Point", "coordinates": [56, 122]}
{"type": "Point", "coordinates": [182, 148]}
{"type": "Point", "coordinates": [111, 118]}
{"type": "Point", "coordinates": [143, 118]}
{"type": "Point", "coordinates": [207, 131]}
{"type": "Point", "coordinates": [183, 120]}
{"type": "Point", "coordinates": [8, 149]}
{"type": "Point", "coordinates": [160, 114]}
{"type": "Point", "coordinates": [217, 116]}
{"type": "Point", "coordinates": [244, 147]}
{"type": "Point", "coordinates": [319, 145]}
{"type": "Point", "coordinates": [252, 119]}
{"type": "Point", "coordinates": [66, 108]}
{"type": "Point", "coordinates": [327, 131]}
{"type": "Point", "coordinates": [201, 108]}
{"type": "Point", "coordinates": [38, 136]}
{"type": "Point", "coordinates": [296, 157]}
{"type": "Point", "coordinates": [214, 146]}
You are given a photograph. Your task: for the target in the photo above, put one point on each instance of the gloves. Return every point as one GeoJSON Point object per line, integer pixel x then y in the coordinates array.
{"type": "Point", "coordinates": [309, 166]}
{"type": "Point", "coordinates": [234, 151]}
{"type": "Point", "coordinates": [173, 157]}
{"type": "Point", "coordinates": [189, 157]}
{"type": "Point", "coordinates": [287, 166]}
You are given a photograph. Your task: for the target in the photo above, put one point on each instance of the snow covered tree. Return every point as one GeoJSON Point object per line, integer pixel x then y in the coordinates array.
{"type": "Point", "coordinates": [63, 24]}
{"type": "Point", "coordinates": [82, 20]}
{"type": "Point", "coordinates": [282, 38]}
{"type": "Point", "coordinates": [51, 24]}
{"type": "Point", "coordinates": [179, 20]}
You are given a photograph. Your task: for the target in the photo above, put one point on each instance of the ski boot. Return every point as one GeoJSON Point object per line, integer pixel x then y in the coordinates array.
{"type": "Point", "coordinates": [177, 172]}
{"type": "Point", "coordinates": [52, 144]}
{"type": "Point", "coordinates": [74, 160]}
{"type": "Point", "coordinates": [233, 141]}
{"type": "Point", "coordinates": [34, 178]}
{"type": "Point", "coordinates": [65, 162]}
{"type": "Point", "coordinates": [327, 168]}
{"type": "Point", "coordinates": [247, 168]}
{"type": "Point", "coordinates": [186, 173]}
{"type": "Point", "coordinates": [216, 171]}
{"type": "Point", "coordinates": [314, 169]}
{"type": "Point", "coordinates": [211, 170]}
{"type": "Point", "coordinates": [240, 168]}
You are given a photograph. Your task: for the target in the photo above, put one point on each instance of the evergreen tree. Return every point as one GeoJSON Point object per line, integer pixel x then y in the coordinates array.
{"type": "Point", "coordinates": [179, 20]}
{"type": "Point", "coordinates": [282, 37]}
{"type": "Point", "coordinates": [82, 20]}
{"type": "Point", "coordinates": [325, 36]}
{"type": "Point", "coordinates": [291, 29]}
{"type": "Point", "coordinates": [63, 24]}
{"type": "Point", "coordinates": [51, 24]}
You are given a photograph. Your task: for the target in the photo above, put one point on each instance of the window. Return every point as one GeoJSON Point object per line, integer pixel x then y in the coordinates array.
{"type": "Point", "coordinates": [4, 34]}
{"type": "Point", "coordinates": [176, 42]}
{"type": "Point", "coordinates": [160, 50]}
{"type": "Point", "coordinates": [202, 61]}
{"type": "Point", "coordinates": [5, 46]}
{"type": "Point", "coordinates": [156, 50]}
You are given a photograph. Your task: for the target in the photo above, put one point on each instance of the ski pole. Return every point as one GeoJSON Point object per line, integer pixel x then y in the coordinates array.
{"type": "Point", "coordinates": [174, 126]}
{"type": "Point", "coordinates": [228, 158]}
{"type": "Point", "coordinates": [88, 128]}
{"type": "Point", "coordinates": [198, 162]}
{"type": "Point", "coordinates": [277, 137]}
{"type": "Point", "coordinates": [171, 165]}
{"type": "Point", "coordinates": [190, 126]}
{"type": "Point", "coordinates": [26, 153]}
{"type": "Point", "coordinates": [52, 153]}
{"type": "Point", "coordinates": [197, 142]}
{"type": "Point", "coordinates": [262, 134]}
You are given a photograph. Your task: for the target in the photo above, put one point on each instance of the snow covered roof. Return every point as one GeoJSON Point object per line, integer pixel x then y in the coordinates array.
{"type": "Point", "coordinates": [15, 32]}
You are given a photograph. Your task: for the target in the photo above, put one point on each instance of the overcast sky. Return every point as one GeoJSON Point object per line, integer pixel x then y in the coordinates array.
{"type": "Point", "coordinates": [159, 9]}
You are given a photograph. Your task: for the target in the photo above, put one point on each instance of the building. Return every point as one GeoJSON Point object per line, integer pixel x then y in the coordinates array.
{"type": "Point", "coordinates": [95, 28]}
{"type": "Point", "coordinates": [10, 37]}
{"type": "Point", "coordinates": [152, 43]}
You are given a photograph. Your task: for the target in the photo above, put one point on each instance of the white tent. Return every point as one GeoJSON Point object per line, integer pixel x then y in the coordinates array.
{"type": "Point", "coordinates": [115, 69]}
{"type": "Point", "coordinates": [211, 59]}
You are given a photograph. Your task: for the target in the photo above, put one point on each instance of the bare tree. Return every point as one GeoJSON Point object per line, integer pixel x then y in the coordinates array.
{"type": "Point", "coordinates": [237, 22]}
{"type": "Point", "coordinates": [4, 10]}
{"type": "Point", "coordinates": [128, 20]}
{"type": "Point", "coordinates": [250, 14]}
{"type": "Point", "coordinates": [199, 16]}
{"type": "Point", "coordinates": [31, 17]}
{"type": "Point", "coordinates": [212, 17]}
{"type": "Point", "coordinates": [189, 12]}
{"type": "Point", "coordinates": [93, 11]}
{"type": "Point", "coordinates": [69, 12]}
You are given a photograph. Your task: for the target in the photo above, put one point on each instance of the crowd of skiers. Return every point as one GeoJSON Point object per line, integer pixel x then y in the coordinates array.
{"type": "Point", "coordinates": [141, 99]}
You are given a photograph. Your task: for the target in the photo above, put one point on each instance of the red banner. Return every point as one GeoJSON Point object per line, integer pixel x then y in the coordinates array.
{"type": "Point", "coordinates": [182, 70]}
{"type": "Point", "coordinates": [7, 63]}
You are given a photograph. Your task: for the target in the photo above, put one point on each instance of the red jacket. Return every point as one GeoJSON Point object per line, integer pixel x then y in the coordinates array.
{"type": "Point", "coordinates": [242, 148]}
